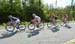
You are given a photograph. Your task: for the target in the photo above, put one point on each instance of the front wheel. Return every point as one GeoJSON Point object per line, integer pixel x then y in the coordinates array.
{"type": "Point", "coordinates": [10, 28]}
{"type": "Point", "coordinates": [22, 27]}
{"type": "Point", "coordinates": [49, 25]}
{"type": "Point", "coordinates": [41, 25]}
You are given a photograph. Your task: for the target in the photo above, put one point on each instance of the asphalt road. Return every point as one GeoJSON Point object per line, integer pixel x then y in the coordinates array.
{"type": "Point", "coordinates": [45, 36]}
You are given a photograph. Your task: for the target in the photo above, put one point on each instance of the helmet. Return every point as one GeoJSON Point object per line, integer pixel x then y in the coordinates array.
{"type": "Point", "coordinates": [10, 16]}
{"type": "Point", "coordinates": [33, 14]}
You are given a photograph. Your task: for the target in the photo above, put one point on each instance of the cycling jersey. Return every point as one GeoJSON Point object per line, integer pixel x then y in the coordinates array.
{"type": "Point", "coordinates": [65, 17]}
{"type": "Point", "coordinates": [17, 20]}
{"type": "Point", "coordinates": [13, 18]}
{"type": "Point", "coordinates": [37, 18]}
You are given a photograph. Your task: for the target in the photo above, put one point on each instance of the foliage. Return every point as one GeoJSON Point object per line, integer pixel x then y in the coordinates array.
{"type": "Point", "coordinates": [25, 10]}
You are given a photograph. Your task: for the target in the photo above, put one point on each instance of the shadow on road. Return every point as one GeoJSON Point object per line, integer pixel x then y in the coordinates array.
{"type": "Point", "coordinates": [33, 33]}
{"type": "Point", "coordinates": [55, 29]}
{"type": "Point", "coordinates": [7, 34]}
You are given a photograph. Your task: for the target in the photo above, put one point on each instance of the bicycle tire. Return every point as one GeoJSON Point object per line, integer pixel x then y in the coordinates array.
{"type": "Point", "coordinates": [6, 27]}
{"type": "Point", "coordinates": [41, 27]}
{"type": "Point", "coordinates": [23, 27]}
{"type": "Point", "coordinates": [48, 25]}
{"type": "Point", "coordinates": [31, 28]}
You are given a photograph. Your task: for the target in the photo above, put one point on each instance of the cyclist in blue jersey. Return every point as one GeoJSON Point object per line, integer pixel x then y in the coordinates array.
{"type": "Point", "coordinates": [14, 20]}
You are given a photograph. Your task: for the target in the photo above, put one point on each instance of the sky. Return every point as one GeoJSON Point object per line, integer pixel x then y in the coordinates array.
{"type": "Point", "coordinates": [60, 3]}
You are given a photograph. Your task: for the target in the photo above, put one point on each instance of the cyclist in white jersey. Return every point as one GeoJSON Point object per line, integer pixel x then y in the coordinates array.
{"type": "Point", "coordinates": [36, 19]}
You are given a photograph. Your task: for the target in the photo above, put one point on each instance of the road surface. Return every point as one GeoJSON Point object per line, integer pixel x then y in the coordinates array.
{"type": "Point", "coordinates": [45, 36]}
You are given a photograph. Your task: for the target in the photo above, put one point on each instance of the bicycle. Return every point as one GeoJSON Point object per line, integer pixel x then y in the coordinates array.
{"type": "Point", "coordinates": [11, 27]}
{"type": "Point", "coordinates": [66, 25]}
{"type": "Point", "coordinates": [33, 26]}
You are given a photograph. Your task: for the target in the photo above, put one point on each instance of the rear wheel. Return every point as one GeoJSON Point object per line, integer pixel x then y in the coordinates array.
{"type": "Point", "coordinates": [22, 27]}
{"type": "Point", "coordinates": [31, 26]}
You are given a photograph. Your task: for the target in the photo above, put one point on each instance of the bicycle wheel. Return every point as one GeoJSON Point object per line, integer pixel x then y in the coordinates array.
{"type": "Point", "coordinates": [10, 28]}
{"type": "Point", "coordinates": [48, 25]}
{"type": "Point", "coordinates": [41, 25]}
{"type": "Point", "coordinates": [31, 26]}
{"type": "Point", "coordinates": [22, 27]}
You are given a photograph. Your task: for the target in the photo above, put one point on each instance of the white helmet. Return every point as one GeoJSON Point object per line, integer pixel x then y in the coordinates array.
{"type": "Point", "coordinates": [33, 14]}
{"type": "Point", "coordinates": [10, 16]}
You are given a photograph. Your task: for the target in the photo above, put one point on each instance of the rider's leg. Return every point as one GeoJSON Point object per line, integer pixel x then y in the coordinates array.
{"type": "Point", "coordinates": [17, 24]}
{"type": "Point", "coordinates": [9, 23]}
{"type": "Point", "coordinates": [33, 21]}
{"type": "Point", "coordinates": [14, 23]}
{"type": "Point", "coordinates": [54, 22]}
{"type": "Point", "coordinates": [38, 23]}
{"type": "Point", "coordinates": [65, 21]}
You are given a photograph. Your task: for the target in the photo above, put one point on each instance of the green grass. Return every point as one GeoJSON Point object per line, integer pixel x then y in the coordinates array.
{"type": "Point", "coordinates": [25, 23]}
{"type": "Point", "coordinates": [3, 24]}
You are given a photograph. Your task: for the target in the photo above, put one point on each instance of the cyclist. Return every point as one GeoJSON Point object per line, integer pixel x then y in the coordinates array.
{"type": "Point", "coordinates": [65, 19]}
{"type": "Point", "coordinates": [53, 19]}
{"type": "Point", "coordinates": [14, 21]}
{"type": "Point", "coordinates": [36, 19]}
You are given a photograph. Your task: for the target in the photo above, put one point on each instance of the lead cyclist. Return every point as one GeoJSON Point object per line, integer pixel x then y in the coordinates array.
{"type": "Point", "coordinates": [14, 21]}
